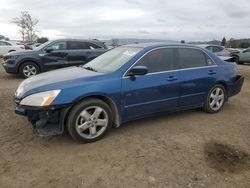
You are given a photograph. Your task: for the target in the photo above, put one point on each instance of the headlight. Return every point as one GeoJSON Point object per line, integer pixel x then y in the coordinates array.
{"type": "Point", "coordinates": [12, 57]}
{"type": "Point", "coordinates": [40, 99]}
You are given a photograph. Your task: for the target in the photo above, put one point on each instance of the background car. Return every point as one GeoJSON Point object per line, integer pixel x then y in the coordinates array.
{"type": "Point", "coordinates": [218, 50]}
{"type": "Point", "coordinates": [242, 56]}
{"type": "Point", "coordinates": [9, 46]}
{"type": "Point", "coordinates": [53, 55]}
{"type": "Point", "coordinates": [124, 84]}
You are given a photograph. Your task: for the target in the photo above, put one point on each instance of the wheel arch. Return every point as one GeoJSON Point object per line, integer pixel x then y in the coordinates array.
{"type": "Point", "coordinates": [224, 84]}
{"type": "Point", "coordinates": [29, 60]}
{"type": "Point", "coordinates": [107, 100]}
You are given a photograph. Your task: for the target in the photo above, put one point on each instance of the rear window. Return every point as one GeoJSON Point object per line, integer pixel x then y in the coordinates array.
{"type": "Point", "coordinates": [190, 58]}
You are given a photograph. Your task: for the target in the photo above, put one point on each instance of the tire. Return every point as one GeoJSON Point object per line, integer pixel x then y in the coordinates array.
{"type": "Point", "coordinates": [215, 99]}
{"type": "Point", "coordinates": [28, 69]}
{"type": "Point", "coordinates": [82, 122]}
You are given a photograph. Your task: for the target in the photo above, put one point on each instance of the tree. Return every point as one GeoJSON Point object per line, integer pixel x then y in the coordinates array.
{"type": "Point", "coordinates": [42, 40]}
{"type": "Point", "coordinates": [183, 41]}
{"type": "Point", "coordinates": [223, 42]}
{"type": "Point", "coordinates": [27, 26]}
{"type": "Point", "coordinates": [244, 45]}
{"type": "Point", "coordinates": [232, 43]}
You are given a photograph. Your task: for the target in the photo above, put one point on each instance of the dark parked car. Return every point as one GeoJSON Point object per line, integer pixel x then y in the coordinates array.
{"type": "Point", "coordinates": [126, 83]}
{"type": "Point", "coordinates": [53, 55]}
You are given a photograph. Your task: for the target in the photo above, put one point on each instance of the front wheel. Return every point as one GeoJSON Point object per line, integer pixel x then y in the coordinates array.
{"type": "Point", "coordinates": [28, 69]}
{"type": "Point", "coordinates": [215, 99]}
{"type": "Point", "coordinates": [89, 120]}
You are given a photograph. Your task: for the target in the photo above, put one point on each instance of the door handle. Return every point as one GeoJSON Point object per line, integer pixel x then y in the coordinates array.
{"type": "Point", "coordinates": [172, 78]}
{"type": "Point", "coordinates": [211, 72]}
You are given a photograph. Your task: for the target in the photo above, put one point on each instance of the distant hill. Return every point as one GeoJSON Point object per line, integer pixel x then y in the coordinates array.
{"type": "Point", "coordinates": [123, 41]}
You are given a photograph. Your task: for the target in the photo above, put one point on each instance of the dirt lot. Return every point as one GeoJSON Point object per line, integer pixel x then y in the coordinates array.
{"type": "Point", "coordinates": [186, 149]}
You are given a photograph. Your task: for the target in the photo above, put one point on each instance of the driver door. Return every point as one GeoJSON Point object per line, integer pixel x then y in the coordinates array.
{"type": "Point", "coordinates": [154, 92]}
{"type": "Point", "coordinates": [55, 55]}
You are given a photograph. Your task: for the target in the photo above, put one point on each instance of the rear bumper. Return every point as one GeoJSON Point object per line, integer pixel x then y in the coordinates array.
{"type": "Point", "coordinates": [45, 122]}
{"type": "Point", "coordinates": [236, 85]}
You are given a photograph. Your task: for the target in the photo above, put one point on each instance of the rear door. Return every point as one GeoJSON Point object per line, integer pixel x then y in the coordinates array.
{"type": "Point", "coordinates": [81, 52]}
{"type": "Point", "coordinates": [57, 57]}
{"type": "Point", "coordinates": [156, 91]}
{"type": "Point", "coordinates": [197, 76]}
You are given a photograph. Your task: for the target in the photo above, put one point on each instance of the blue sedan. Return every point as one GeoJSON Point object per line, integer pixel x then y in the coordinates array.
{"type": "Point", "coordinates": [124, 84]}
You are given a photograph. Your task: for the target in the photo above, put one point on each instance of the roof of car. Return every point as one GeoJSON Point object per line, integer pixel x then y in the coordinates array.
{"type": "Point", "coordinates": [83, 40]}
{"type": "Point", "coordinates": [155, 45]}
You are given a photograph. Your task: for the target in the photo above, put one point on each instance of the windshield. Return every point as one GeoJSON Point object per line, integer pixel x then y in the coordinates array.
{"type": "Point", "coordinates": [42, 46]}
{"type": "Point", "coordinates": [112, 60]}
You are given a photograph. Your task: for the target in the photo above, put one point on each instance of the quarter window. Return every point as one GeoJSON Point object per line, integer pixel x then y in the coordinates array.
{"type": "Point", "coordinates": [191, 58]}
{"type": "Point", "coordinates": [158, 60]}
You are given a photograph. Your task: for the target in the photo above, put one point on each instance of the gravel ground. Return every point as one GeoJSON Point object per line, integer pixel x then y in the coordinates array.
{"type": "Point", "coordinates": [185, 149]}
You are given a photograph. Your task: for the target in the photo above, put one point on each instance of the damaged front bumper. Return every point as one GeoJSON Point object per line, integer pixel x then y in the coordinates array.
{"type": "Point", "coordinates": [45, 121]}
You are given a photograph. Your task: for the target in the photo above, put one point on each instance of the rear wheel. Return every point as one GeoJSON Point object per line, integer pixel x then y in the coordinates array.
{"type": "Point", "coordinates": [28, 69]}
{"type": "Point", "coordinates": [89, 120]}
{"type": "Point", "coordinates": [215, 99]}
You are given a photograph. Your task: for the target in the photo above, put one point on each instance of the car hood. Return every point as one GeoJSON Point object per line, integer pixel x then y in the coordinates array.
{"type": "Point", "coordinates": [57, 79]}
{"type": "Point", "coordinates": [24, 52]}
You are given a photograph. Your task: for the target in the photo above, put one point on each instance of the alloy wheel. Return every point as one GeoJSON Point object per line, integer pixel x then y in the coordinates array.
{"type": "Point", "coordinates": [92, 122]}
{"type": "Point", "coordinates": [29, 70]}
{"type": "Point", "coordinates": [216, 98]}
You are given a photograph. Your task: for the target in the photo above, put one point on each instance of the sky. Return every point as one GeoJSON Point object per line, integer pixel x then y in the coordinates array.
{"type": "Point", "coordinates": [190, 20]}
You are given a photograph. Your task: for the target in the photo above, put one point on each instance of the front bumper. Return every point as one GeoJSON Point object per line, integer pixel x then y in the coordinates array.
{"type": "Point", "coordinates": [45, 121]}
{"type": "Point", "coordinates": [10, 66]}
{"type": "Point", "coordinates": [236, 85]}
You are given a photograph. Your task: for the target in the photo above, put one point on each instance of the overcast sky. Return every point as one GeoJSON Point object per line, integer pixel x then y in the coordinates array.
{"type": "Point", "coordinates": [191, 20]}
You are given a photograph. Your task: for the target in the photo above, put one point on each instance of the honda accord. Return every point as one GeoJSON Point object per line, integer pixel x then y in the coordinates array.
{"type": "Point", "coordinates": [124, 84]}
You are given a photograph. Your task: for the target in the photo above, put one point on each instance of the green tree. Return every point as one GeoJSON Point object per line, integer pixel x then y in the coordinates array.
{"type": "Point", "coordinates": [223, 42]}
{"type": "Point", "coordinates": [42, 40]}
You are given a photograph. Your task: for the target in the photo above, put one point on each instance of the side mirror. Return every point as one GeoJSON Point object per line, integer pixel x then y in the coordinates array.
{"type": "Point", "coordinates": [48, 50]}
{"type": "Point", "coordinates": [138, 70]}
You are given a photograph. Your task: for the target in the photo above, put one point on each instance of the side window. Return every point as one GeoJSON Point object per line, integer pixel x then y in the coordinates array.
{"type": "Point", "coordinates": [217, 49]}
{"type": "Point", "coordinates": [2, 43]}
{"type": "Point", "coordinates": [247, 51]}
{"type": "Point", "coordinates": [58, 45]}
{"type": "Point", "coordinates": [191, 58]}
{"type": "Point", "coordinates": [210, 48]}
{"type": "Point", "coordinates": [158, 60]}
{"type": "Point", "coordinates": [93, 46]}
{"type": "Point", "coordinates": [76, 45]}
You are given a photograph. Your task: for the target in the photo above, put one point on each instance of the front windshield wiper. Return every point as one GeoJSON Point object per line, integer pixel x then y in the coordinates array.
{"type": "Point", "coordinates": [90, 68]}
